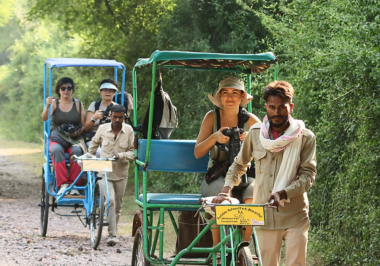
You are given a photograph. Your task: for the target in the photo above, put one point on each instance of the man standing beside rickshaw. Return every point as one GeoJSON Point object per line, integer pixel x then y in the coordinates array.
{"type": "Point", "coordinates": [285, 160]}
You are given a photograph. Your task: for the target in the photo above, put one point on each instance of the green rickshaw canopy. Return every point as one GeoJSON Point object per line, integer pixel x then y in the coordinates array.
{"type": "Point", "coordinates": [244, 63]}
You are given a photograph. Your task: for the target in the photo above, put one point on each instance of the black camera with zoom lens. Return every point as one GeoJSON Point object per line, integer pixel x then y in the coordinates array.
{"type": "Point", "coordinates": [106, 113]}
{"type": "Point", "coordinates": [70, 128]}
{"type": "Point", "coordinates": [235, 143]}
{"type": "Point", "coordinates": [234, 148]}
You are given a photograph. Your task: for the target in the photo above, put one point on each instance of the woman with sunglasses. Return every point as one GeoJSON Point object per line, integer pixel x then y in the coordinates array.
{"type": "Point", "coordinates": [95, 114]}
{"type": "Point", "coordinates": [67, 121]}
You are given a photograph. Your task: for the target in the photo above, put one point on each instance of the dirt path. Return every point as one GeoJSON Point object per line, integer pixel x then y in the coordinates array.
{"type": "Point", "coordinates": [67, 241]}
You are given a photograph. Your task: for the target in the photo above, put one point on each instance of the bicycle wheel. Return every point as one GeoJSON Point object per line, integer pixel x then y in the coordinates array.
{"type": "Point", "coordinates": [244, 257]}
{"type": "Point", "coordinates": [97, 215]}
{"type": "Point", "coordinates": [44, 205]}
{"type": "Point", "coordinates": [252, 248]}
{"type": "Point", "coordinates": [138, 258]}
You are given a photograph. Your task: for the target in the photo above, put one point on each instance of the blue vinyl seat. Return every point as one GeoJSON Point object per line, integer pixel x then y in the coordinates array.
{"type": "Point", "coordinates": [172, 156]}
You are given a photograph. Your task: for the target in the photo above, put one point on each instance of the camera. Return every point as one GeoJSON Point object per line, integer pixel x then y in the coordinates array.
{"type": "Point", "coordinates": [235, 143]}
{"type": "Point", "coordinates": [234, 148]}
{"type": "Point", "coordinates": [70, 128]}
{"type": "Point", "coordinates": [106, 113]}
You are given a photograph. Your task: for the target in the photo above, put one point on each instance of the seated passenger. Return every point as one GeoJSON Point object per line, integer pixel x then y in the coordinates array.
{"type": "Point", "coordinates": [229, 98]}
{"type": "Point", "coordinates": [95, 116]}
{"type": "Point", "coordinates": [67, 118]}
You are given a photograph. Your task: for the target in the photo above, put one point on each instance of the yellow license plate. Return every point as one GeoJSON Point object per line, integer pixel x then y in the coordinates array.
{"type": "Point", "coordinates": [239, 215]}
{"type": "Point", "coordinates": [93, 165]}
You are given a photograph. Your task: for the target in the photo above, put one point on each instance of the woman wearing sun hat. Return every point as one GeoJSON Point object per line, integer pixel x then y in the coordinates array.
{"type": "Point", "coordinates": [107, 89]}
{"type": "Point", "coordinates": [229, 98]}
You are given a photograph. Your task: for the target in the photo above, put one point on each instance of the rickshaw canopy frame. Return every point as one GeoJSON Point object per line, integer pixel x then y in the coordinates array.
{"type": "Point", "coordinates": [242, 63]}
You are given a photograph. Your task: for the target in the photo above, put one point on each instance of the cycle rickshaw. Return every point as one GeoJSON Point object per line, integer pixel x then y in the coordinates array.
{"type": "Point", "coordinates": [168, 155]}
{"type": "Point", "coordinates": [92, 205]}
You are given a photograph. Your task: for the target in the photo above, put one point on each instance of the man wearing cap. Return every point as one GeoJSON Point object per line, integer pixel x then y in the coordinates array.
{"type": "Point", "coordinates": [229, 98]}
{"type": "Point", "coordinates": [116, 139]}
{"type": "Point", "coordinates": [95, 116]}
{"type": "Point", "coordinates": [284, 152]}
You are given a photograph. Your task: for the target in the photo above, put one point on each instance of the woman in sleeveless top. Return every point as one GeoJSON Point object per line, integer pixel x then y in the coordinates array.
{"type": "Point", "coordinates": [94, 118]}
{"type": "Point", "coordinates": [229, 97]}
{"type": "Point", "coordinates": [65, 110]}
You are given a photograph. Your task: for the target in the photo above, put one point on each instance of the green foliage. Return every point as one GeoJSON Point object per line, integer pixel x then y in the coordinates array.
{"type": "Point", "coordinates": [206, 26]}
{"type": "Point", "coordinates": [21, 86]}
{"type": "Point", "coordinates": [6, 11]}
{"type": "Point", "coordinates": [329, 51]}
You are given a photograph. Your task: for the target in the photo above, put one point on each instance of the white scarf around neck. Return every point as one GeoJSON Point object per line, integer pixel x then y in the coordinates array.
{"type": "Point", "coordinates": [290, 142]}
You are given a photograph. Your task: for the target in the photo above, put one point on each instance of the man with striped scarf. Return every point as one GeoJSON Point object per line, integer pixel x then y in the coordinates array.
{"type": "Point", "coordinates": [284, 153]}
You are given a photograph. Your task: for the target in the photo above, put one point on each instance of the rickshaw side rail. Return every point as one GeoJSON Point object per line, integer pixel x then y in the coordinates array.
{"type": "Point", "coordinates": [167, 156]}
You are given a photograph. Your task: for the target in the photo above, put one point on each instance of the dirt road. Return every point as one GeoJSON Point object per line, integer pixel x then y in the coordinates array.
{"type": "Point", "coordinates": [67, 241]}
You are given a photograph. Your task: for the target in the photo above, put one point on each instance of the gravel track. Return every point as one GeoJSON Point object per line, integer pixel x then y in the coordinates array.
{"type": "Point", "coordinates": [67, 241]}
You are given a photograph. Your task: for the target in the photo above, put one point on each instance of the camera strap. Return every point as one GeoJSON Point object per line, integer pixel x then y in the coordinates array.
{"type": "Point", "coordinates": [97, 105]}
{"type": "Point", "coordinates": [243, 117]}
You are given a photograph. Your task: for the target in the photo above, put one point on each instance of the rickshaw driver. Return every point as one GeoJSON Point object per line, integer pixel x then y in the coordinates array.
{"type": "Point", "coordinates": [285, 158]}
{"type": "Point", "coordinates": [116, 139]}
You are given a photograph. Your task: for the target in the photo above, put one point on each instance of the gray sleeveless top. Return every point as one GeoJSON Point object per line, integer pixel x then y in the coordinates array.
{"type": "Point", "coordinates": [71, 117]}
{"type": "Point", "coordinates": [214, 129]}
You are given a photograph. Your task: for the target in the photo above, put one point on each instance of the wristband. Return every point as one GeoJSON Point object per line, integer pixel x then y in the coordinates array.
{"type": "Point", "coordinates": [224, 194]}
{"type": "Point", "coordinates": [93, 120]}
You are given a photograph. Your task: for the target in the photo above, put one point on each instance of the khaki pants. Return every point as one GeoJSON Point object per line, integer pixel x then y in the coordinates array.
{"type": "Point", "coordinates": [116, 190]}
{"type": "Point", "coordinates": [270, 242]}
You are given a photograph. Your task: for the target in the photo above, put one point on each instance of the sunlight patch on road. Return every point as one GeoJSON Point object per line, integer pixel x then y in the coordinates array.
{"type": "Point", "coordinates": [9, 152]}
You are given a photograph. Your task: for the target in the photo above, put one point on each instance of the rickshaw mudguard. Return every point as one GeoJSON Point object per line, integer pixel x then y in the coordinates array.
{"type": "Point", "coordinates": [242, 244]}
{"type": "Point", "coordinates": [138, 221]}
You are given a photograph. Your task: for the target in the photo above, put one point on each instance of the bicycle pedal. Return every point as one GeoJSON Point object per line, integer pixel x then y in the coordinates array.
{"type": "Point", "coordinates": [75, 211]}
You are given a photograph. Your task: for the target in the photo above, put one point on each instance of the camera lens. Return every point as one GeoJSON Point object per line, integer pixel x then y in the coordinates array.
{"type": "Point", "coordinates": [64, 127]}
{"type": "Point", "coordinates": [71, 129]}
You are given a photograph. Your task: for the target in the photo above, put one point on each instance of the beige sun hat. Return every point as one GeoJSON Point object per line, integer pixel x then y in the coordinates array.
{"type": "Point", "coordinates": [230, 82]}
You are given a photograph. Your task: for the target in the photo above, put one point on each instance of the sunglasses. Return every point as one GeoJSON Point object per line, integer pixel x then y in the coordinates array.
{"type": "Point", "coordinates": [108, 90]}
{"type": "Point", "coordinates": [63, 88]}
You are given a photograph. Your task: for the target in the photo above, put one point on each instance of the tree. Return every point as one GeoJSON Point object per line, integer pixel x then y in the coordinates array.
{"type": "Point", "coordinates": [329, 51]}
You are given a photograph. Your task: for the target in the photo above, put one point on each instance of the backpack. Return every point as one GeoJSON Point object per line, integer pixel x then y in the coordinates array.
{"type": "Point", "coordinates": [164, 116]}
{"type": "Point", "coordinates": [128, 102]}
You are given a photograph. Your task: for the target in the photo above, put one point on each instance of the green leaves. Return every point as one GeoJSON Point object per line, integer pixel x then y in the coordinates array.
{"type": "Point", "coordinates": [330, 55]}
{"type": "Point", "coordinates": [6, 11]}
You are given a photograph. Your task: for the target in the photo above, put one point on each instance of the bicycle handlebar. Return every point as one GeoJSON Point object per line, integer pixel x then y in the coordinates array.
{"type": "Point", "coordinates": [270, 203]}
{"type": "Point", "coordinates": [94, 159]}
{"type": "Point", "coordinates": [267, 205]}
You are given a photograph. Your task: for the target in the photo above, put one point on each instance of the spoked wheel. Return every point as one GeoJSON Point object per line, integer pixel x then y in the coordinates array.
{"type": "Point", "coordinates": [97, 215]}
{"type": "Point", "coordinates": [138, 258]}
{"type": "Point", "coordinates": [254, 252]}
{"type": "Point", "coordinates": [44, 205]}
{"type": "Point", "coordinates": [244, 257]}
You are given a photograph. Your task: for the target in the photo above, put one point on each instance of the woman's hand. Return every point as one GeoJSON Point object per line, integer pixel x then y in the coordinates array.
{"type": "Point", "coordinates": [75, 134]}
{"type": "Point", "coordinates": [98, 115]}
{"type": "Point", "coordinates": [49, 101]}
{"type": "Point", "coordinates": [220, 137]}
{"type": "Point", "coordinates": [243, 135]}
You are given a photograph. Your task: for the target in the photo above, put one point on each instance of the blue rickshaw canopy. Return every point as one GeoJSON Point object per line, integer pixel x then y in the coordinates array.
{"type": "Point", "coordinates": [82, 62]}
